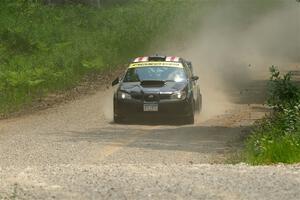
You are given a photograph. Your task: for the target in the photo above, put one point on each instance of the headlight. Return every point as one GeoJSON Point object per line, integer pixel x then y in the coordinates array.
{"type": "Point", "coordinates": [123, 95]}
{"type": "Point", "coordinates": [179, 95]}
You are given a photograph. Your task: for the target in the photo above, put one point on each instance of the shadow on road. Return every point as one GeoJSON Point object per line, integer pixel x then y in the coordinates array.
{"type": "Point", "coordinates": [148, 121]}
{"type": "Point", "coordinates": [203, 139]}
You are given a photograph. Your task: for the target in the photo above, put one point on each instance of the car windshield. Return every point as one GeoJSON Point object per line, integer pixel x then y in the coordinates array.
{"type": "Point", "coordinates": [156, 73]}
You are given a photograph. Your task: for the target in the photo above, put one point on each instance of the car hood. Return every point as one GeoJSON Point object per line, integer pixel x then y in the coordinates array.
{"type": "Point", "coordinates": [137, 87]}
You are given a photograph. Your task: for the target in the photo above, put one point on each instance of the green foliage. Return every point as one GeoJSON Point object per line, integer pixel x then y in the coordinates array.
{"type": "Point", "coordinates": [17, 42]}
{"type": "Point", "coordinates": [48, 48]}
{"type": "Point", "coordinates": [277, 137]}
{"type": "Point", "coordinates": [270, 146]}
{"type": "Point", "coordinates": [283, 94]}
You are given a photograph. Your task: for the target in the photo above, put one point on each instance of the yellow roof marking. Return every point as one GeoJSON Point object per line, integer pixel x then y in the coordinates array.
{"type": "Point", "coordinates": [154, 64]}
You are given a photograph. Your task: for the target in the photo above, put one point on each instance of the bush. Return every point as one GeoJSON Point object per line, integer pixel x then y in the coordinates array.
{"type": "Point", "coordinates": [277, 137]}
{"type": "Point", "coordinates": [283, 94]}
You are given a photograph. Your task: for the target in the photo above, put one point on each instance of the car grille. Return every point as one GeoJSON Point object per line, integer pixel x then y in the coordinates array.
{"type": "Point", "coordinates": [165, 96]}
{"type": "Point", "coordinates": [137, 96]}
{"type": "Point", "coordinates": [150, 97]}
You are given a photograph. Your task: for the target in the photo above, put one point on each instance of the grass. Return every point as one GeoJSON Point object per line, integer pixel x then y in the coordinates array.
{"type": "Point", "coordinates": [276, 139]}
{"type": "Point", "coordinates": [49, 48]}
{"type": "Point", "coordinates": [44, 49]}
{"type": "Point", "coordinates": [270, 146]}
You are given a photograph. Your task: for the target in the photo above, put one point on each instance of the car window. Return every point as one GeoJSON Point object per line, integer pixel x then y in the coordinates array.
{"type": "Point", "coordinates": [155, 73]}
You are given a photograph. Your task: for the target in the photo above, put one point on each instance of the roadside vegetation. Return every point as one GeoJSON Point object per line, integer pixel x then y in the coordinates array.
{"type": "Point", "coordinates": [47, 47]}
{"type": "Point", "coordinates": [276, 139]}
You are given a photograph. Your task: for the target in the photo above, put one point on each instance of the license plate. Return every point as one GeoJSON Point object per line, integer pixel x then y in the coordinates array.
{"type": "Point", "coordinates": [150, 107]}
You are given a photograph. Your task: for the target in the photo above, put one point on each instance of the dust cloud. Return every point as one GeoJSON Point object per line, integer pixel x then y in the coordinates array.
{"type": "Point", "coordinates": [234, 47]}
{"type": "Point", "coordinates": [107, 102]}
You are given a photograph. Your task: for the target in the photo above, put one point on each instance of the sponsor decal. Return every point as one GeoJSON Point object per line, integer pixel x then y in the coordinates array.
{"type": "Point", "coordinates": [156, 64]}
{"type": "Point", "coordinates": [172, 59]}
{"type": "Point", "coordinates": [141, 59]}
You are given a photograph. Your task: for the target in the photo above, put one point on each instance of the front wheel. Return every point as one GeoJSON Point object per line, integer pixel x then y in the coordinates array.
{"type": "Point", "coordinates": [118, 120]}
{"type": "Point", "coordinates": [191, 117]}
{"type": "Point", "coordinates": [199, 102]}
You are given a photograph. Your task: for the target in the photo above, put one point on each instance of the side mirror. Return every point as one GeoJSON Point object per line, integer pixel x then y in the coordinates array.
{"type": "Point", "coordinates": [115, 82]}
{"type": "Point", "coordinates": [195, 78]}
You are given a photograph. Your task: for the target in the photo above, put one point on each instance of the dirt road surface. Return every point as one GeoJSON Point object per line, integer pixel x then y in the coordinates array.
{"type": "Point", "coordinates": [74, 151]}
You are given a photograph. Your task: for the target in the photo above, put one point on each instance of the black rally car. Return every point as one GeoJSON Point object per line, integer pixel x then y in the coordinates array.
{"type": "Point", "coordinates": [157, 87]}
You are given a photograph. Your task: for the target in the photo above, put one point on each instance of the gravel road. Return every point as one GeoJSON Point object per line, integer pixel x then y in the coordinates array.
{"type": "Point", "coordinates": [74, 151]}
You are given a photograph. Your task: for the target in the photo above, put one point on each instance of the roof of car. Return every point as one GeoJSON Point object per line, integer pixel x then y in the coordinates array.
{"type": "Point", "coordinates": [157, 60]}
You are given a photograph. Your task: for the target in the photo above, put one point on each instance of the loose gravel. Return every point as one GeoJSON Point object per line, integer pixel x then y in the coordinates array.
{"type": "Point", "coordinates": [157, 181]}
{"type": "Point", "coordinates": [74, 151]}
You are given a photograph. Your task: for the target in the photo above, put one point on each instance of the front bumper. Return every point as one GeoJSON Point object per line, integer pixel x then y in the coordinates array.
{"type": "Point", "coordinates": [166, 109]}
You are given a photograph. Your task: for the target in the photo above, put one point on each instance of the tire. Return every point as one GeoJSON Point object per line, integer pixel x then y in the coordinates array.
{"type": "Point", "coordinates": [198, 106]}
{"type": "Point", "coordinates": [118, 120]}
{"type": "Point", "coordinates": [200, 103]}
{"type": "Point", "coordinates": [191, 118]}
